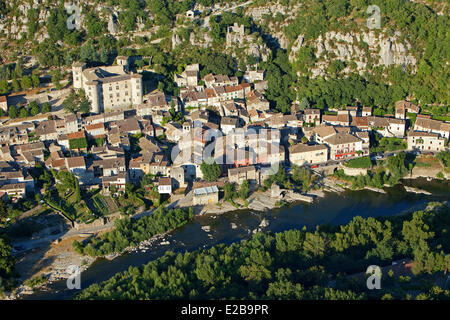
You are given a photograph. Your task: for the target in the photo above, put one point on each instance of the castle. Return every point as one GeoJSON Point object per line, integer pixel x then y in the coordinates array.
{"type": "Point", "coordinates": [235, 34]}
{"type": "Point", "coordinates": [108, 88]}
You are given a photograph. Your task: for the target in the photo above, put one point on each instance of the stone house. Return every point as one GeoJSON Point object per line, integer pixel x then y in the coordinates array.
{"type": "Point", "coordinates": [206, 195]}
{"type": "Point", "coordinates": [238, 175]}
{"type": "Point", "coordinates": [302, 154]}
{"type": "Point", "coordinates": [425, 141]}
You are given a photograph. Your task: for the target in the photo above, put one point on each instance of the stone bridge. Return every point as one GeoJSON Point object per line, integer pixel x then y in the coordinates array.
{"type": "Point", "coordinates": [327, 169]}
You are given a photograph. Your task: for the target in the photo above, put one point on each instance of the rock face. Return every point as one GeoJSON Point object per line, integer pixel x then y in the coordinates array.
{"type": "Point", "coordinates": [259, 50]}
{"type": "Point", "coordinates": [295, 47]}
{"type": "Point", "coordinates": [357, 47]}
{"type": "Point", "coordinates": [204, 40]}
{"type": "Point", "coordinates": [176, 40]}
{"type": "Point", "coordinates": [112, 24]}
{"type": "Point", "coordinates": [416, 190]}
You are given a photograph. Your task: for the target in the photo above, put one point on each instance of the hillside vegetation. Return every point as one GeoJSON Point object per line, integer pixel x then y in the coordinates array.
{"type": "Point", "coordinates": [320, 52]}
{"type": "Point", "coordinates": [298, 264]}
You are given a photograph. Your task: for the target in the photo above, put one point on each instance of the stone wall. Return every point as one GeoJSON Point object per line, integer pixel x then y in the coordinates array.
{"type": "Point", "coordinates": [354, 171]}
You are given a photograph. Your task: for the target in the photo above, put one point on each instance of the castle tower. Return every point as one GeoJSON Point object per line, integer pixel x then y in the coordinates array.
{"type": "Point", "coordinates": [94, 94]}
{"type": "Point", "coordinates": [77, 74]}
{"type": "Point", "coordinates": [123, 61]}
{"type": "Point", "coordinates": [136, 89]}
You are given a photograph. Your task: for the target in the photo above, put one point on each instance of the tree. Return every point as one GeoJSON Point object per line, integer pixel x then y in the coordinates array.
{"type": "Point", "coordinates": [230, 191]}
{"type": "Point", "coordinates": [15, 84]}
{"type": "Point", "coordinates": [56, 78]}
{"type": "Point", "coordinates": [46, 107]}
{"type": "Point", "coordinates": [4, 87]}
{"type": "Point", "coordinates": [94, 25]}
{"type": "Point", "coordinates": [302, 176]}
{"type": "Point", "coordinates": [211, 172]}
{"type": "Point", "coordinates": [76, 101]}
{"type": "Point", "coordinates": [35, 80]}
{"type": "Point", "coordinates": [34, 108]}
{"type": "Point", "coordinates": [26, 83]}
{"type": "Point", "coordinates": [23, 113]}
{"type": "Point", "coordinates": [13, 113]}
{"type": "Point", "coordinates": [244, 190]}
{"type": "Point", "coordinates": [7, 263]}
{"type": "Point", "coordinates": [3, 210]}
{"type": "Point", "coordinates": [18, 70]}
{"type": "Point", "coordinates": [304, 104]}
{"type": "Point", "coordinates": [397, 167]}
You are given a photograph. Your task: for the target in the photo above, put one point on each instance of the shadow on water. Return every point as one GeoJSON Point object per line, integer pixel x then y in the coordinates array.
{"type": "Point", "coordinates": [234, 226]}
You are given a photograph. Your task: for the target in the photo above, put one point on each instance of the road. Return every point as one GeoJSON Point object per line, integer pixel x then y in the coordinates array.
{"type": "Point", "coordinates": [220, 10]}
{"type": "Point", "coordinates": [47, 240]}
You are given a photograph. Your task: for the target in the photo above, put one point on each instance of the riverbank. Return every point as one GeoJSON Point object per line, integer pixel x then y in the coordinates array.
{"type": "Point", "coordinates": [259, 201]}
{"type": "Point", "coordinates": [209, 230]}
{"type": "Point", "coordinates": [51, 262]}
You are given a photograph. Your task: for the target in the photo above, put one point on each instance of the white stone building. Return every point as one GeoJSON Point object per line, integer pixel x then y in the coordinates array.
{"type": "Point", "coordinates": [110, 87]}
{"type": "Point", "coordinates": [425, 141]}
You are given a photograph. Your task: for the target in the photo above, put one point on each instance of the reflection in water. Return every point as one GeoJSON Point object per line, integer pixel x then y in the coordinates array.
{"type": "Point", "coordinates": [334, 208]}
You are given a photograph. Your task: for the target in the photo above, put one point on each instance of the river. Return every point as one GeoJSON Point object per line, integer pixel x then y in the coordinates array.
{"type": "Point", "coordinates": [234, 226]}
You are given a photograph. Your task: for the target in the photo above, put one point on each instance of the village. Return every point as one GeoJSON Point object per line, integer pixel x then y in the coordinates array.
{"type": "Point", "coordinates": [130, 135]}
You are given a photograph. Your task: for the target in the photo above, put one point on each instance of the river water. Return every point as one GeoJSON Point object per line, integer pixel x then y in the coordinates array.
{"type": "Point", "coordinates": [234, 226]}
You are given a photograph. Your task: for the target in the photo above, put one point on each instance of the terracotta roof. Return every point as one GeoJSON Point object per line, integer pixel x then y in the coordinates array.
{"type": "Point", "coordinates": [75, 162]}
{"type": "Point", "coordinates": [164, 181]}
{"type": "Point", "coordinates": [95, 126]}
{"type": "Point", "coordinates": [76, 135]}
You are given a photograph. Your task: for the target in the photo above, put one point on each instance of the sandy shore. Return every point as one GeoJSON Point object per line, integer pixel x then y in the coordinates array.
{"type": "Point", "coordinates": [51, 262]}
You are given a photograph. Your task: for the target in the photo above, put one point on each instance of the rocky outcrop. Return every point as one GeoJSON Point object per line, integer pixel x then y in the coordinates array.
{"type": "Point", "coordinates": [112, 24]}
{"type": "Point", "coordinates": [176, 40]}
{"type": "Point", "coordinates": [416, 190]}
{"type": "Point", "coordinates": [202, 40]}
{"type": "Point", "coordinates": [296, 47]}
{"type": "Point", "coordinates": [358, 48]}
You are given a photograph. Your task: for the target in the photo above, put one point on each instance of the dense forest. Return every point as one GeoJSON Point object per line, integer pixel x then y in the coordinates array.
{"type": "Point", "coordinates": [7, 261]}
{"type": "Point", "coordinates": [299, 264]}
{"type": "Point", "coordinates": [129, 232]}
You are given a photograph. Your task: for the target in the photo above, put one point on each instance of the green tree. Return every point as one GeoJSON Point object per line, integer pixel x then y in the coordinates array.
{"type": "Point", "coordinates": [26, 83]}
{"type": "Point", "coordinates": [15, 85]}
{"type": "Point", "coordinates": [18, 70]}
{"type": "Point", "coordinates": [34, 108]}
{"type": "Point", "coordinates": [211, 172]}
{"type": "Point", "coordinates": [12, 112]}
{"type": "Point", "coordinates": [46, 107]}
{"type": "Point", "coordinates": [229, 191]}
{"type": "Point", "coordinates": [4, 87]}
{"type": "Point", "coordinates": [23, 113]}
{"type": "Point", "coordinates": [35, 80]}
{"type": "Point", "coordinates": [3, 210]}
{"type": "Point", "coordinates": [56, 78]}
{"type": "Point", "coordinates": [244, 190]}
